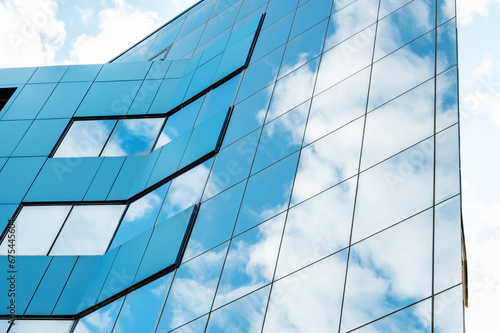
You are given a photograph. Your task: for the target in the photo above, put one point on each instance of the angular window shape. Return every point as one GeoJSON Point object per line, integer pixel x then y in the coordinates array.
{"type": "Point", "coordinates": [133, 137]}
{"type": "Point", "coordinates": [85, 138]}
{"type": "Point", "coordinates": [5, 95]}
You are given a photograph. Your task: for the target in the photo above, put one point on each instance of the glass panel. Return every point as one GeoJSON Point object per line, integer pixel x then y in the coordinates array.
{"type": "Point", "coordinates": [389, 6]}
{"type": "Point", "coordinates": [309, 15]}
{"type": "Point", "coordinates": [215, 221]}
{"type": "Point", "coordinates": [273, 36]}
{"type": "Point", "coordinates": [404, 25]}
{"type": "Point", "coordinates": [88, 230]}
{"type": "Point", "coordinates": [389, 271]}
{"type": "Point", "coordinates": [303, 48]}
{"type": "Point", "coordinates": [447, 164]}
{"type": "Point", "coordinates": [250, 261]}
{"type": "Point", "coordinates": [104, 179]}
{"type": "Point", "coordinates": [42, 326]}
{"type": "Point", "coordinates": [446, 10]}
{"type": "Point", "coordinates": [169, 159]}
{"type": "Point", "coordinates": [185, 45]}
{"type": "Point", "coordinates": [85, 138]}
{"type": "Point", "coordinates": [244, 315]}
{"type": "Point", "coordinates": [30, 271]}
{"type": "Point", "coordinates": [17, 175]}
{"type": "Point", "coordinates": [338, 151]}
{"type": "Point", "coordinates": [123, 71]}
{"type": "Point", "coordinates": [394, 190]}
{"type": "Point", "coordinates": [449, 312]}
{"type": "Point", "coordinates": [193, 289]}
{"type": "Point", "coordinates": [81, 73]}
{"type": "Point", "coordinates": [247, 116]}
{"type": "Point", "coordinates": [59, 105]}
{"type": "Point", "coordinates": [41, 137]}
{"type": "Point", "coordinates": [447, 46]}
{"type": "Point", "coordinates": [398, 124]}
{"type": "Point", "coordinates": [267, 193]}
{"type": "Point", "coordinates": [197, 325]}
{"type": "Point", "coordinates": [29, 101]}
{"type": "Point", "coordinates": [309, 300]}
{"type": "Point", "coordinates": [164, 39]}
{"type": "Point", "coordinates": [415, 319]}
{"type": "Point", "coordinates": [197, 17]}
{"type": "Point", "coordinates": [346, 59]}
{"type": "Point", "coordinates": [402, 70]}
{"type": "Point", "coordinates": [179, 123]}
{"type": "Point", "coordinates": [16, 75]}
{"type": "Point", "coordinates": [220, 98]}
{"type": "Point", "coordinates": [232, 164]}
{"type": "Point", "coordinates": [220, 23]}
{"type": "Point", "coordinates": [277, 9]}
{"type": "Point", "coordinates": [338, 106]}
{"type": "Point", "coordinates": [144, 97]}
{"type": "Point", "coordinates": [447, 245]}
{"type": "Point", "coordinates": [48, 74]}
{"type": "Point", "coordinates": [100, 321]}
{"type": "Point", "coordinates": [350, 20]}
{"type": "Point", "coordinates": [260, 74]}
{"type": "Point", "coordinates": [11, 133]}
{"type": "Point", "coordinates": [446, 99]}
{"type": "Point", "coordinates": [133, 137]}
{"type": "Point", "coordinates": [140, 216]}
{"type": "Point", "coordinates": [36, 229]}
{"type": "Point", "coordinates": [142, 307]}
{"type": "Point", "coordinates": [317, 228]}
{"type": "Point", "coordinates": [293, 89]}
{"type": "Point", "coordinates": [281, 137]}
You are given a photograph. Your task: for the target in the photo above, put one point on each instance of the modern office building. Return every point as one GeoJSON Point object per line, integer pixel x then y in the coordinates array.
{"type": "Point", "coordinates": [251, 166]}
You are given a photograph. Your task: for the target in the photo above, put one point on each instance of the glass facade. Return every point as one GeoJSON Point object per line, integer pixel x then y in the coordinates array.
{"type": "Point", "coordinates": [251, 166]}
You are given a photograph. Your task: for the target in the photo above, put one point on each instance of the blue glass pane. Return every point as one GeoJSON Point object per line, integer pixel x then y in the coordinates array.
{"type": "Point", "coordinates": [196, 18]}
{"type": "Point", "coordinates": [281, 137]}
{"type": "Point", "coordinates": [232, 164]}
{"type": "Point", "coordinates": [446, 10]}
{"type": "Point", "coordinates": [215, 221]}
{"type": "Point", "coordinates": [104, 179]}
{"type": "Point", "coordinates": [447, 99]}
{"type": "Point", "coordinates": [185, 302]}
{"type": "Point", "coordinates": [447, 170]}
{"type": "Point", "coordinates": [145, 97]}
{"type": "Point", "coordinates": [133, 137]}
{"type": "Point", "coordinates": [17, 175]}
{"type": "Point", "coordinates": [197, 325]}
{"type": "Point", "coordinates": [178, 68]}
{"type": "Point", "coordinates": [244, 315]}
{"type": "Point", "coordinates": [123, 71]}
{"type": "Point", "coordinates": [164, 247]}
{"type": "Point", "coordinates": [122, 188]}
{"type": "Point", "coordinates": [273, 36]}
{"type": "Point", "coordinates": [30, 271]}
{"type": "Point", "coordinates": [249, 6]}
{"type": "Point", "coordinates": [164, 39]}
{"type": "Point", "coordinates": [6, 213]}
{"type": "Point", "coordinates": [81, 73]}
{"type": "Point", "coordinates": [247, 116]}
{"type": "Point", "coordinates": [16, 75]}
{"type": "Point", "coordinates": [303, 48]}
{"type": "Point", "coordinates": [142, 308]}
{"type": "Point", "coordinates": [260, 74]}
{"type": "Point", "coordinates": [179, 123]}
{"type": "Point", "coordinates": [185, 45]}
{"type": "Point", "coordinates": [30, 101]}
{"type": "Point", "coordinates": [163, 98]}
{"type": "Point", "coordinates": [51, 286]}
{"type": "Point", "coordinates": [447, 46]}
{"type": "Point", "coordinates": [389, 6]}
{"type": "Point", "coordinates": [11, 133]}
{"type": "Point", "coordinates": [277, 9]}
{"type": "Point", "coordinates": [48, 74]}
{"type": "Point", "coordinates": [221, 22]}
{"type": "Point", "coordinates": [41, 137]}
{"type": "Point", "coordinates": [85, 138]}
{"type": "Point", "coordinates": [309, 15]}
{"type": "Point", "coordinates": [158, 70]}
{"type": "Point", "coordinates": [64, 179]}
{"type": "Point", "coordinates": [59, 105]}
{"type": "Point", "coordinates": [169, 158]}
{"type": "Point", "coordinates": [204, 138]}
{"type": "Point", "coordinates": [449, 311]}
{"type": "Point", "coordinates": [76, 285]}
{"type": "Point", "coordinates": [245, 269]}
{"type": "Point", "coordinates": [203, 77]}
{"type": "Point", "coordinates": [122, 273]}
{"type": "Point", "coordinates": [94, 322]}
{"type": "Point", "coordinates": [234, 58]}
{"type": "Point", "coordinates": [109, 98]}
{"type": "Point", "coordinates": [140, 216]}
{"type": "Point", "coordinates": [267, 193]}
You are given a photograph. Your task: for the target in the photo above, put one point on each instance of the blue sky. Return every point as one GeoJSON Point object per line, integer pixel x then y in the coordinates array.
{"type": "Point", "coordinates": [51, 32]}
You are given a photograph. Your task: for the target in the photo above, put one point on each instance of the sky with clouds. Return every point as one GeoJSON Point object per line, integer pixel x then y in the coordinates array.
{"type": "Point", "coordinates": [51, 32]}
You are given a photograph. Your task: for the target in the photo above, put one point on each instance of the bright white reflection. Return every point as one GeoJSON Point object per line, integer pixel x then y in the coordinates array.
{"type": "Point", "coordinates": [88, 230]}
{"type": "Point", "coordinates": [448, 311]}
{"type": "Point", "coordinates": [42, 326]}
{"type": "Point", "coordinates": [36, 229]}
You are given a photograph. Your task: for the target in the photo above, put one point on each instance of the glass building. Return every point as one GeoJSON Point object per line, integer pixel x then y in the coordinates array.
{"type": "Point", "coordinates": [251, 166]}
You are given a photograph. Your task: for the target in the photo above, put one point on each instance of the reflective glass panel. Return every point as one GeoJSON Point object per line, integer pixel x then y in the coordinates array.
{"type": "Point", "coordinates": [133, 137]}
{"type": "Point", "coordinates": [449, 311]}
{"type": "Point", "coordinates": [88, 230]}
{"type": "Point", "coordinates": [447, 164]}
{"type": "Point", "coordinates": [317, 227]}
{"type": "Point", "coordinates": [100, 321]}
{"type": "Point", "coordinates": [389, 271]}
{"type": "Point", "coordinates": [328, 161]}
{"type": "Point", "coordinates": [447, 46]}
{"type": "Point", "coordinates": [309, 300]}
{"type": "Point", "coordinates": [42, 326]}
{"type": "Point", "coordinates": [85, 138]}
{"type": "Point", "coordinates": [446, 99]}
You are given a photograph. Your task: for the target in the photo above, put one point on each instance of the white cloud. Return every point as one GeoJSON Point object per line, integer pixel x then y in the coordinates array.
{"type": "Point", "coordinates": [86, 14]}
{"type": "Point", "coordinates": [31, 33]}
{"type": "Point", "coordinates": [119, 27]}
{"type": "Point", "coordinates": [467, 10]}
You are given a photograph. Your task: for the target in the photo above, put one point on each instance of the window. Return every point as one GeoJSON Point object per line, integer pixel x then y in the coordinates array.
{"type": "Point", "coordinates": [5, 95]}
{"type": "Point", "coordinates": [65, 229]}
